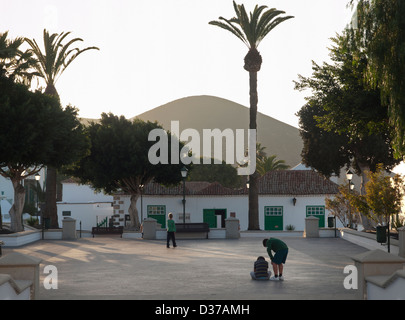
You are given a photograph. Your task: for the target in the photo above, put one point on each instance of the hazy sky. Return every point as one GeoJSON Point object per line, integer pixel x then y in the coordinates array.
{"type": "Point", "coordinates": [155, 51]}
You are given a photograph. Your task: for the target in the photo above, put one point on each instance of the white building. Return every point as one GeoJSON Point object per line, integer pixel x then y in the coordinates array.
{"type": "Point", "coordinates": [83, 204]}
{"type": "Point", "coordinates": [286, 198]}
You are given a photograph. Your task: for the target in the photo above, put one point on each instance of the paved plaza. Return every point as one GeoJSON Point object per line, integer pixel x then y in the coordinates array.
{"type": "Point", "coordinates": [108, 267]}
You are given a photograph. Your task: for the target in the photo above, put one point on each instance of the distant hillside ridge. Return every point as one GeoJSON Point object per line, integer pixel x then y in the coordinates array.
{"type": "Point", "coordinates": [209, 112]}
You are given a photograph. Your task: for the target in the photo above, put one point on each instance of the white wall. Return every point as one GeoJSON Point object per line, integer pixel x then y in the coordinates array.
{"type": "Point", "coordinates": [87, 213]}
{"type": "Point", "coordinates": [6, 189]}
{"type": "Point", "coordinates": [85, 205]}
{"type": "Point", "coordinates": [8, 291]}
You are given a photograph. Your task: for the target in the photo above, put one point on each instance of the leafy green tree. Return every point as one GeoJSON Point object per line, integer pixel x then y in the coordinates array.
{"type": "Point", "coordinates": [383, 196]}
{"type": "Point", "coordinates": [344, 122]}
{"type": "Point", "coordinates": [320, 144]}
{"type": "Point", "coordinates": [50, 65]}
{"type": "Point", "coordinates": [381, 25]}
{"type": "Point", "coordinates": [119, 161]}
{"type": "Point", "coordinates": [340, 206]}
{"type": "Point", "coordinates": [34, 132]}
{"type": "Point", "coordinates": [224, 173]}
{"type": "Point", "coordinates": [251, 30]}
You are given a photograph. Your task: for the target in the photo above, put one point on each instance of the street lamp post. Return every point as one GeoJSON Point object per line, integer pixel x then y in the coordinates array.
{"type": "Point", "coordinates": [37, 178]}
{"type": "Point", "coordinates": [184, 176]}
{"type": "Point", "coordinates": [247, 189]}
{"type": "Point", "coordinates": [349, 177]}
{"type": "Point", "coordinates": [141, 189]}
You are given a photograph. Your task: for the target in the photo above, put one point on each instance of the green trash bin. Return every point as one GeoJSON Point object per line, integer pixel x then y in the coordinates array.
{"type": "Point", "coordinates": [381, 234]}
{"type": "Point", "coordinates": [47, 223]}
{"type": "Point", "coordinates": [331, 222]}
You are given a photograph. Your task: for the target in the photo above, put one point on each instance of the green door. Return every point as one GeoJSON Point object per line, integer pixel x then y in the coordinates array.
{"type": "Point", "coordinates": [318, 212]}
{"type": "Point", "coordinates": [210, 217]}
{"type": "Point", "coordinates": [158, 213]}
{"type": "Point", "coordinates": [273, 218]}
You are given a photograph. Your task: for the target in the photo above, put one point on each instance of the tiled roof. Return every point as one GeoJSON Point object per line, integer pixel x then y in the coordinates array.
{"type": "Point", "coordinates": [300, 182]}
{"type": "Point", "coordinates": [283, 182]}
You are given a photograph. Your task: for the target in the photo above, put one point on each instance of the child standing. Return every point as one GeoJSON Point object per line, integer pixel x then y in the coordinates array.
{"type": "Point", "coordinates": [171, 229]}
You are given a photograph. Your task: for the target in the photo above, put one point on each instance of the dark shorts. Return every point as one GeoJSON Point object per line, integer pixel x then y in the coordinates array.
{"type": "Point", "coordinates": [280, 256]}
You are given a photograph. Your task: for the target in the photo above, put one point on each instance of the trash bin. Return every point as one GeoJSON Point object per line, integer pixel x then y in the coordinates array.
{"type": "Point", "coordinates": [381, 234]}
{"type": "Point", "coordinates": [331, 223]}
{"type": "Point", "coordinates": [47, 223]}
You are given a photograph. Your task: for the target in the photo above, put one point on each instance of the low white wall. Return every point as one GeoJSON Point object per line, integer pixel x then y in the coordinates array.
{"type": "Point", "coordinates": [394, 291]}
{"type": "Point", "coordinates": [132, 235]}
{"type": "Point", "coordinates": [14, 290]}
{"type": "Point", "coordinates": [52, 234]}
{"type": "Point", "coordinates": [20, 238]}
{"type": "Point", "coordinates": [270, 234]}
{"type": "Point", "coordinates": [217, 233]}
{"type": "Point", "coordinates": [328, 233]}
{"type": "Point", "coordinates": [367, 240]}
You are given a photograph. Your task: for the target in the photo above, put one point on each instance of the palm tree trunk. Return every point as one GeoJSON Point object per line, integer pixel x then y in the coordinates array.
{"type": "Point", "coordinates": [253, 179]}
{"type": "Point", "coordinates": [51, 211]}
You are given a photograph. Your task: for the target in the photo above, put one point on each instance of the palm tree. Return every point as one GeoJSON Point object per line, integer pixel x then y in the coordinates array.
{"type": "Point", "coordinates": [260, 153]}
{"type": "Point", "coordinates": [15, 63]}
{"type": "Point", "coordinates": [267, 164]}
{"type": "Point", "coordinates": [56, 57]}
{"type": "Point", "coordinates": [251, 30]}
{"type": "Point", "coordinates": [50, 64]}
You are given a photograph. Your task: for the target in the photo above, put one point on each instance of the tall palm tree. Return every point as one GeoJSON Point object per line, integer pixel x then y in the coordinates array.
{"type": "Point", "coordinates": [50, 64]}
{"type": "Point", "coordinates": [14, 63]}
{"type": "Point", "coordinates": [251, 30]}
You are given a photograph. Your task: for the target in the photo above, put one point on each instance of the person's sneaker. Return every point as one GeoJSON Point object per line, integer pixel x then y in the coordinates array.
{"type": "Point", "coordinates": [281, 278]}
{"type": "Point", "coordinates": [273, 278]}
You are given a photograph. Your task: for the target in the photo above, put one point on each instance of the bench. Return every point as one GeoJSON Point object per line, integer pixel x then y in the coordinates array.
{"type": "Point", "coordinates": [193, 227]}
{"type": "Point", "coordinates": [107, 230]}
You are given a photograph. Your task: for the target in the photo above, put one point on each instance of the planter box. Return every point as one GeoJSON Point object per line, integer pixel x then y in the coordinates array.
{"type": "Point", "coordinates": [20, 238]}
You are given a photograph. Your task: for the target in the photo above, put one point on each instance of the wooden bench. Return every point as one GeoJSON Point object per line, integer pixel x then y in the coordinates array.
{"type": "Point", "coordinates": [107, 230]}
{"type": "Point", "coordinates": [193, 228]}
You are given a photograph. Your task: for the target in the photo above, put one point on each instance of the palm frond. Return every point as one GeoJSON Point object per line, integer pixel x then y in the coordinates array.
{"type": "Point", "coordinates": [270, 26]}
{"type": "Point", "coordinates": [15, 63]}
{"type": "Point", "coordinates": [56, 57]}
{"type": "Point", "coordinates": [252, 28]}
{"type": "Point", "coordinates": [40, 59]}
{"type": "Point", "coordinates": [231, 28]}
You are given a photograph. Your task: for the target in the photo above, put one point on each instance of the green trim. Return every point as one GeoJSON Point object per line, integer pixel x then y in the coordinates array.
{"type": "Point", "coordinates": [157, 212]}
{"type": "Point", "coordinates": [210, 217]}
{"type": "Point", "coordinates": [273, 218]}
{"type": "Point", "coordinates": [316, 211]}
